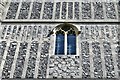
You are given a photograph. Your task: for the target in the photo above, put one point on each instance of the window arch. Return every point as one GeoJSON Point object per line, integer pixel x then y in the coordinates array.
{"type": "Point", "coordinates": [65, 39]}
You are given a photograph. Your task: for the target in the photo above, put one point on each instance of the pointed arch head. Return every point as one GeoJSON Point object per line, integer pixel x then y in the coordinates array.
{"type": "Point", "coordinates": [60, 32]}
{"type": "Point", "coordinates": [67, 27]}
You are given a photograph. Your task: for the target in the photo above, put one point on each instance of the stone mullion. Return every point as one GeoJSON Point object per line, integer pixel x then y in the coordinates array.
{"type": "Point", "coordinates": [65, 44]}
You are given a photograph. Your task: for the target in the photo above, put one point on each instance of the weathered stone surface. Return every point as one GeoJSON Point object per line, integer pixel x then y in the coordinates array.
{"type": "Point", "coordinates": [20, 60]}
{"type": "Point", "coordinates": [42, 70]}
{"type": "Point", "coordinates": [9, 60]}
{"type": "Point", "coordinates": [64, 67]}
{"type": "Point", "coordinates": [97, 47]}
{"type": "Point", "coordinates": [2, 50]}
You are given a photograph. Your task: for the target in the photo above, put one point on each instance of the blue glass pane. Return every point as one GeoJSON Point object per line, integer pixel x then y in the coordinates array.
{"type": "Point", "coordinates": [59, 48]}
{"type": "Point", "coordinates": [71, 44]}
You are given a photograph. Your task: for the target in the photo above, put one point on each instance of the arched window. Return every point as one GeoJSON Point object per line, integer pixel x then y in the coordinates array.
{"type": "Point", "coordinates": [71, 43]}
{"type": "Point", "coordinates": [59, 46]}
{"type": "Point", "coordinates": [65, 40]}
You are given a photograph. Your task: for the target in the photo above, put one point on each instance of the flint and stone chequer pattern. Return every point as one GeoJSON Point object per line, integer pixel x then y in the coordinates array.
{"type": "Point", "coordinates": [64, 67]}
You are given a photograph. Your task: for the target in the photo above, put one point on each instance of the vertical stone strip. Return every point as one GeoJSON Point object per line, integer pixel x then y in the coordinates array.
{"type": "Point", "coordinates": [30, 10]}
{"type": "Point", "coordinates": [42, 9]}
{"type": "Point", "coordinates": [42, 71]}
{"type": "Point", "coordinates": [61, 10]}
{"type": "Point", "coordinates": [104, 10]}
{"type": "Point", "coordinates": [6, 26]}
{"type": "Point", "coordinates": [9, 60]}
{"type": "Point", "coordinates": [118, 7]}
{"type": "Point", "coordinates": [101, 50]}
{"type": "Point", "coordinates": [2, 50]}
{"type": "Point", "coordinates": [80, 10]}
{"type": "Point", "coordinates": [51, 52]}
{"type": "Point", "coordinates": [32, 59]}
{"type": "Point", "coordinates": [116, 10]}
{"type": "Point", "coordinates": [18, 11]}
{"type": "Point", "coordinates": [3, 31]}
{"type": "Point", "coordinates": [91, 54]}
{"type": "Point", "coordinates": [114, 55]}
{"type": "Point", "coordinates": [102, 33]}
{"type": "Point", "coordinates": [92, 10]}
{"type": "Point", "coordinates": [85, 59]}
{"type": "Point", "coordinates": [73, 10]}
{"type": "Point", "coordinates": [26, 60]}
{"type": "Point", "coordinates": [80, 53]}
{"type": "Point", "coordinates": [37, 60]}
{"type": "Point", "coordinates": [4, 58]}
{"type": "Point", "coordinates": [14, 61]}
{"type": "Point", "coordinates": [20, 60]}
{"type": "Point", "coordinates": [54, 8]}
{"type": "Point", "coordinates": [5, 10]}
